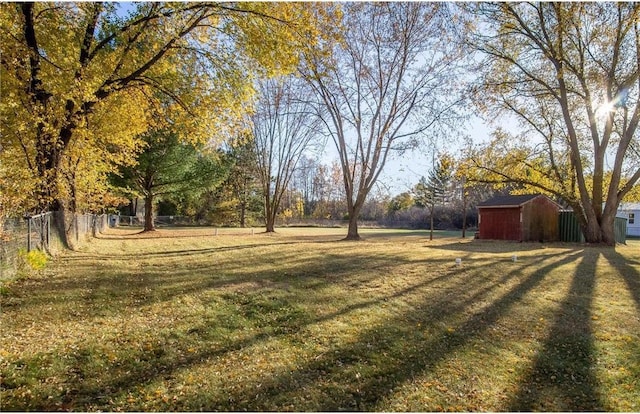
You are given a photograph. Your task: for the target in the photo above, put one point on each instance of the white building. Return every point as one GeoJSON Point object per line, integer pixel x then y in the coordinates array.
{"type": "Point", "coordinates": [630, 211]}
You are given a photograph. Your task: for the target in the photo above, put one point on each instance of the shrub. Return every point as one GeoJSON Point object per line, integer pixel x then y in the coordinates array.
{"type": "Point", "coordinates": [30, 262]}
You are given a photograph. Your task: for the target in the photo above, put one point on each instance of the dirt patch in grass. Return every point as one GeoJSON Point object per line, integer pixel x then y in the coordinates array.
{"type": "Point", "coordinates": [301, 321]}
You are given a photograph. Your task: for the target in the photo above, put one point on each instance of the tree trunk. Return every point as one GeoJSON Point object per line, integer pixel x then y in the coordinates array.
{"type": "Point", "coordinates": [148, 213]}
{"type": "Point", "coordinates": [431, 225]}
{"type": "Point", "coordinates": [352, 233]}
{"type": "Point", "coordinates": [67, 224]}
{"type": "Point", "coordinates": [464, 214]}
{"type": "Point", "coordinates": [270, 224]}
{"type": "Point", "coordinates": [243, 213]}
{"type": "Point", "coordinates": [608, 229]}
{"type": "Point", "coordinates": [354, 214]}
{"type": "Point", "coordinates": [269, 217]}
{"type": "Point", "coordinates": [269, 210]}
{"type": "Point", "coordinates": [591, 232]}
{"type": "Point", "coordinates": [598, 232]}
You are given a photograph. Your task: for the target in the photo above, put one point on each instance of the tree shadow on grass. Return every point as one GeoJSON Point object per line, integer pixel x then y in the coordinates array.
{"type": "Point", "coordinates": [629, 270]}
{"type": "Point", "coordinates": [502, 246]}
{"type": "Point", "coordinates": [391, 354]}
{"type": "Point", "coordinates": [75, 257]}
{"type": "Point", "coordinates": [394, 350]}
{"type": "Point", "coordinates": [110, 290]}
{"type": "Point", "coordinates": [629, 273]}
{"type": "Point", "coordinates": [562, 378]}
{"type": "Point", "coordinates": [140, 366]}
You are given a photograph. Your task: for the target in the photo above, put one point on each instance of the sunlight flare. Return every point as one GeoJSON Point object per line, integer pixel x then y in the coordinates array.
{"type": "Point", "coordinates": [603, 110]}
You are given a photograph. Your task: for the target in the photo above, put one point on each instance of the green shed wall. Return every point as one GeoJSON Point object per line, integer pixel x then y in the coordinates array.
{"type": "Point", "coordinates": [620, 230]}
{"type": "Point", "coordinates": [569, 228]}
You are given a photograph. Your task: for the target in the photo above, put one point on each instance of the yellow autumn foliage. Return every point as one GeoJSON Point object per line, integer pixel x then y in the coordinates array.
{"type": "Point", "coordinates": [506, 160]}
{"type": "Point", "coordinates": [81, 81]}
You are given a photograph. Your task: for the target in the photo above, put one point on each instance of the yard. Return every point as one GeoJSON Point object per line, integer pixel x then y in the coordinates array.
{"type": "Point", "coordinates": [185, 320]}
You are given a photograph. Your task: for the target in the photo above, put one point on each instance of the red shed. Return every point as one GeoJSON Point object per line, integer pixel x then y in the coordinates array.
{"type": "Point", "coordinates": [530, 217]}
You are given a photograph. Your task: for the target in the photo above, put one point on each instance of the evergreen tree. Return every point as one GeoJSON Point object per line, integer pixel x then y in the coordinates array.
{"type": "Point", "coordinates": [435, 190]}
{"type": "Point", "coordinates": [166, 167]}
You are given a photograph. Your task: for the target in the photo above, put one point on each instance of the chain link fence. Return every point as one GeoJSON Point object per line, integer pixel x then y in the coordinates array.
{"type": "Point", "coordinates": [138, 221]}
{"type": "Point", "coordinates": [169, 221]}
{"type": "Point", "coordinates": [13, 236]}
{"type": "Point", "coordinates": [44, 232]}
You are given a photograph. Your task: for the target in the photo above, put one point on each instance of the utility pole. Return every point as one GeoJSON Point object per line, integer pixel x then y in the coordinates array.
{"type": "Point", "coordinates": [464, 207]}
{"type": "Point", "coordinates": [433, 191]}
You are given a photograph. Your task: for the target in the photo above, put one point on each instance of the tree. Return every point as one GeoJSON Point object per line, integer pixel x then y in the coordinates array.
{"type": "Point", "coordinates": [80, 78]}
{"type": "Point", "coordinates": [570, 72]}
{"type": "Point", "coordinates": [428, 193]}
{"type": "Point", "coordinates": [403, 201]}
{"type": "Point", "coordinates": [633, 195]}
{"type": "Point", "coordinates": [167, 167]}
{"type": "Point", "coordinates": [283, 129]}
{"type": "Point", "coordinates": [303, 180]}
{"type": "Point", "coordinates": [438, 183]}
{"type": "Point", "coordinates": [464, 198]}
{"type": "Point", "coordinates": [243, 180]}
{"type": "Point", "coordinates": [388, 81]}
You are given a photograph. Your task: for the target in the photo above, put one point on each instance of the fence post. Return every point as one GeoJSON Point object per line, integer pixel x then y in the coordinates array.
{"type": "Point", "coordinates": [42, 230]}
{"type": "Point", "coordinates": [49, 216]}
{"type": "Point", "coordinates": [28, 233]}
{"type": "Point", "coordinates": [77, 230]}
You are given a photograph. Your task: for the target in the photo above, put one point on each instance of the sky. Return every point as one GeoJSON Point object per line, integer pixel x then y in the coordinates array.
{"type": "Point", "coordinates": [401, 173]}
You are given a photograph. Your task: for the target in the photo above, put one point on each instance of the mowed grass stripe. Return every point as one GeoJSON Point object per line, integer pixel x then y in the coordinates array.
{"type": "Point", "coordinates": [186, 320]}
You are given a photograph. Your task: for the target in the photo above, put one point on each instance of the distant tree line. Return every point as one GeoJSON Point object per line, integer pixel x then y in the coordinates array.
{"type": "Point", "coordinates": [232, 195]}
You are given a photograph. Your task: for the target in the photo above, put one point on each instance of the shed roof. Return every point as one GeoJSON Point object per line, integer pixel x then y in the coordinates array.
{"type": "Point", "coordinates": [508, 200]}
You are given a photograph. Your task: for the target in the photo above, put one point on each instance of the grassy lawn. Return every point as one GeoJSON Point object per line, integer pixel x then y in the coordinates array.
{"type": "Point", "coordinates": [183, 320]}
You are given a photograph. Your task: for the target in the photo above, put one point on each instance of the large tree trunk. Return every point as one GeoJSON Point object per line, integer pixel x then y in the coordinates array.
{"type": "Point", "coordinates": [597, 231]}
{"type": "Point", "coordinates": [602, 231]}
{"type": "Point", "coordinates": [270, 206]}
{"type": "Point", "coordinates": [352, 233]}
{"type": "Point", "coordinates": [270, 224]}
{"type": "Point", "coordinates": [148, 213]}
{"type": "Point", "coordinates": [354, 214]}
{"type": "Point", "coordinates": [243, 214]}
{"type": "Point", "coordinates": [591, 231]}
{"type": "Point", "coordinates": [608, 229]}
{"type": "Point", "coordinates": [67, 225]}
